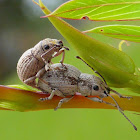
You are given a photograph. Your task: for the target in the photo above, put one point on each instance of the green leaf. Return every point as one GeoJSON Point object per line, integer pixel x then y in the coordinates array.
{"type": "Point", "coordinates": [23, 87]}
{"type": "Point", "coordinates": [123, 32]}
{"type": "Point", "coordinates": [115, 66]}
{"type": "Point", "coordinates": [100, 10]}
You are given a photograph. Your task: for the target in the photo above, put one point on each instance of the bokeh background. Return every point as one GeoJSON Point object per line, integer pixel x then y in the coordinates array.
{"type": "Point", "coordinates": [20, 29]}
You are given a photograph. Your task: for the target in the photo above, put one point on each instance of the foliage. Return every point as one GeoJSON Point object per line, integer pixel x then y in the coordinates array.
{"type": "Point", "coordinates": [123, 32]}
{"type": "Point", "coordinates": [99, 10]}
{"type": "Point", "coordinates": [115, 66]}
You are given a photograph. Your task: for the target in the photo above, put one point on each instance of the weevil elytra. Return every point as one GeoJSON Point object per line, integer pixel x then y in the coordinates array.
{"type": "Point", "coordinates": [65, 80]}
{"type": "Point", "coordinates": [33, 62]}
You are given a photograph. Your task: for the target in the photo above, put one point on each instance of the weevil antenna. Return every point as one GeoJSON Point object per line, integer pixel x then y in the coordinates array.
{"type": "Point", "coordinates": [66, 48]}
{"type": "Point", "coordinates": [122, 112]}
{"type": "Point", "coordinates": [91, 68]}
{"type": "Point", "coordinates": [121, 96]}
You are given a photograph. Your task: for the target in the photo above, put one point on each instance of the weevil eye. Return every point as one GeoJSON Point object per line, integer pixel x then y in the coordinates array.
{"type": "Point", "coordinates": [46, 47]}
{"type": "Point", "coordinates": [96, 87]}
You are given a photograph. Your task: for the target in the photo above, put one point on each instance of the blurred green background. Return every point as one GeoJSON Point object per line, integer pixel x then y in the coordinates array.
{"type": "Point", "coordinates": [20, 29]}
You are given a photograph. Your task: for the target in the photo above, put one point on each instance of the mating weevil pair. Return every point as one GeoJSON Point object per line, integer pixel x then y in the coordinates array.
{"type": "Point", "coordinates": [35, 61]}
{"type": "Point", "coordinates": [62, 79]}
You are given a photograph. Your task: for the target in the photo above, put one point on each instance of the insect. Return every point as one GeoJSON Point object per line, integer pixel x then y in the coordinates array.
{"type": "Point", "coordinates": [33, 63]}
{"type": "Point", "coordinates": [66, 80]}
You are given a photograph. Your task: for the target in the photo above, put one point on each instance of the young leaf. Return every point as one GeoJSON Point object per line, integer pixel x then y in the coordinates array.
{"type": "Point", "coordinates": [99, 10]}
{"type": "Point", "coordinates": [23, 100]}
{"type": "Point", "coordinates": [123, 32]}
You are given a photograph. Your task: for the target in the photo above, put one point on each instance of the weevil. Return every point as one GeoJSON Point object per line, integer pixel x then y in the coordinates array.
{"type": "Point", "coordinates": [65, 80]}
{"type": "Point", "coordinates": [33, 63]}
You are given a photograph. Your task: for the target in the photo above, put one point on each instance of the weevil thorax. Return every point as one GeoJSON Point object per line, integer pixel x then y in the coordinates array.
{"type": "Point", "coordinates": [91, 85]}
{"type": "Point", "coordinates": [44, 46]}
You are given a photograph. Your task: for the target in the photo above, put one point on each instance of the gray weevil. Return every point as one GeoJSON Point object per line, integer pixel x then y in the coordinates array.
{"type": "Point", "coordinates": [65, 80]}
{"type": "Point", "coordinates": [33, 63]}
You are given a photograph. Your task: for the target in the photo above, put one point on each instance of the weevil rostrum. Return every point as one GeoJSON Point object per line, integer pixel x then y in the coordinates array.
{"type": "Point", "coordinates": [65, 80]}
{"type": "Point", "coordinates": [33, 63]}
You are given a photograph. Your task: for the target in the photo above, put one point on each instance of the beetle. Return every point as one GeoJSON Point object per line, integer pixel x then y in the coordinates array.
{"type": "Point", "coordinates": [66, 81]}
{"type": "Point", "coordinates": [33, 63]}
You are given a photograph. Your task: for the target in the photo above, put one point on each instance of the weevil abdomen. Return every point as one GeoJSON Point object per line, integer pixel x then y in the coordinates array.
{"type": "Point", "coordinates": [65, 78]}
{"type": "Point", "coordinates": [28, 66]}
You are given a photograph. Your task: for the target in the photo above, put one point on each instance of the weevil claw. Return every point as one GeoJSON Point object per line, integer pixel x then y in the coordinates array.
{"type": "Point", "coordinates": [55, 109]}
{"type": "Point", "coordinates": [43, 99]}
{"type": "Point", "coordinates": [128, 97]}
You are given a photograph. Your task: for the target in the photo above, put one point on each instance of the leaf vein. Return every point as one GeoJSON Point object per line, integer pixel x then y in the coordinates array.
{"type": "Point", "coordinates": [120, 14]}
{"type": "Point", "coordinates": [111, 10]}
{"type": "Point", "coordinates": [81, 3]}
{"type": "Point", "coordinates": [88, 12]}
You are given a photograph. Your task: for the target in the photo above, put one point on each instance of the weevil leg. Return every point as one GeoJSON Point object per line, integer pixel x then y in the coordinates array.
{"type": "Point", "coordinates": [95, 99]}
{"type": "Point", "coordinates": [46, 55]}
{"type": "Point", "coordinates": [55, 91]}
{"type": "Point", "coordinates": [47, 66]}
{"type": "Point", "coordinates": [51, 62]}
{"type": "Point", "coordinates": [48, 98]}
{"type": "Point", "coordinates": [64, 100]}
{"type": "Point", "coordinates": [121, 96]}
{"type": "Point", "coordinates": [40, 72]}
{"type": "Point", "coordinates": [31, 81]}
{"type": "Point", "coordinates": [63, 55]}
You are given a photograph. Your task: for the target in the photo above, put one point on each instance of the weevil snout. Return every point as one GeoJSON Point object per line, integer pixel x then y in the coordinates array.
{"type": "Point", "coordinates": [58, 46]}
{"type": "Point", "coordinates": [60, 43]}
{"type": "Point", "coordinates": [107, 91]}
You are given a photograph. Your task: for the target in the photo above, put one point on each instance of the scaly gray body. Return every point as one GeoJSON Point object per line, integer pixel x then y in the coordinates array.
{"type": "Point", "coordinates": [67, 80]}
{"type": "Point", "coordinates": [64, 78]}
{"type": "Point", "coordinates": [28, 66]}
